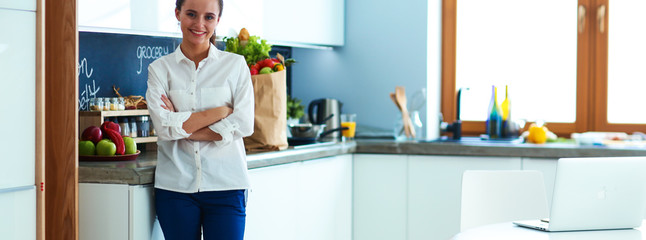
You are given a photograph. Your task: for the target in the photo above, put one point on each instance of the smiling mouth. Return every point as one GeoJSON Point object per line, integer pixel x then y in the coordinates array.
{"type": "Point", "coordinates": [198, 32]}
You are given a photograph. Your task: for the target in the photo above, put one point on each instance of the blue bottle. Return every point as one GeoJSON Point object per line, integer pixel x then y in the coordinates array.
{"type": "Point", "coordinates": [494, 120]}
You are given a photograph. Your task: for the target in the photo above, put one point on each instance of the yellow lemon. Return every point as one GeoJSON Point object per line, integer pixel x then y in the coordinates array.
{"type": "Point", "coordinates": [537, 134]}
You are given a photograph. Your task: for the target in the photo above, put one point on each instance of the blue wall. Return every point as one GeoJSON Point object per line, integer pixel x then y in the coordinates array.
{"type": "Point", "coordinates": [385, 46]}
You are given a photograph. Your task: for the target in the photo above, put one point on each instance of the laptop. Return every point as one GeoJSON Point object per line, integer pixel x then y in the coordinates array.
{"type": "Point", "coordinates": [598, 193]}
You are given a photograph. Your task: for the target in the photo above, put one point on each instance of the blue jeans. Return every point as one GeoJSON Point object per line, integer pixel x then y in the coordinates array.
{"type": "Point", "coordinates": [220, 214]}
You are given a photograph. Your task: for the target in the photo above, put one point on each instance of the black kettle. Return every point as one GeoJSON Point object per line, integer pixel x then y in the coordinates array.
{"type": "Point", "coordinates": [328, 112]}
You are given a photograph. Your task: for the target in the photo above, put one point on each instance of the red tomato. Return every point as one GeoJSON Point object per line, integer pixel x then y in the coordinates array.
{"type": "Point", "coordinates": [267, 63]}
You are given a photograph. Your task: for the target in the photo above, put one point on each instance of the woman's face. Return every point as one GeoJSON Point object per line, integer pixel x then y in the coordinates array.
{"type": "Point", "coordinates": [198, 19]}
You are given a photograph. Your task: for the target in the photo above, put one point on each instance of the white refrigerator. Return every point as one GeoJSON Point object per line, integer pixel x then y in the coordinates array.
{"type": "Point", "coordinates": [17, 120]}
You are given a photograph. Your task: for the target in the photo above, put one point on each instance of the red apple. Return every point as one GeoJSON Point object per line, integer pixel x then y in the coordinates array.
{"type": "Point", "coordinates": [92, 133]}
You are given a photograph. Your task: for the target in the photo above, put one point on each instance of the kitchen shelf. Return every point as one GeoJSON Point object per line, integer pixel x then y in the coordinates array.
{"type": "Point", "coordinates": [145, 139]}
{"type": "Point", "coordinates": [102, 114]}
{"type": "Point", "coordinates": [95, 118]}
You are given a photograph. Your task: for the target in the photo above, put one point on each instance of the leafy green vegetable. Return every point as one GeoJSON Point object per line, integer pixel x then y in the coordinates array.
{"type": "Point", "coordinates": [254, 50]}
{"type": "Point", "coordinates": [294, 108]}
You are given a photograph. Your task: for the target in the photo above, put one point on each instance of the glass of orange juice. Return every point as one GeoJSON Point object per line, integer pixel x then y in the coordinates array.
{"type": "Point", "coordinates": [349, 120]}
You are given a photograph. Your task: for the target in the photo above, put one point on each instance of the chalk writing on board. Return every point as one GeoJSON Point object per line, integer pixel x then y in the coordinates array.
{"type": "Point", "coordinates": [149, 52]}
{"type": "Point", "coordinates": [82, 68]}
{"type": "Point", "coordinates": [89, 90]}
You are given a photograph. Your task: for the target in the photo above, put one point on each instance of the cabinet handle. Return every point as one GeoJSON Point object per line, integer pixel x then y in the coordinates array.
{"type": "Point", "coordinates": [601, 15]}
{"type": "Point", "coordinates": [581, 18]}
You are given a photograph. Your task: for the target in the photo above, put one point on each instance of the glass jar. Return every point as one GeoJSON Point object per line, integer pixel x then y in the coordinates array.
{"type": "Point", "coordinates": [133, 127]}
{"type": "Point", "coordinates": [115, 119]}
{"type": "Point", "coordinates": [106, 104]}
{"type": "Point", "coordinates": [96, 104]}
{"type": "Point", "coordinates": [114, 104]}
{"type": "Point", "coordinates": [143, 126]}
{"type": "Point", "coordinates": [125, 127]}
{"type": "Point", "coordinates": [122, 104]}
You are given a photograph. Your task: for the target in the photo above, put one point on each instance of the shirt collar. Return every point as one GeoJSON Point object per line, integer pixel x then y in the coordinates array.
{"type": "Point", "coordinates": [214, 53]}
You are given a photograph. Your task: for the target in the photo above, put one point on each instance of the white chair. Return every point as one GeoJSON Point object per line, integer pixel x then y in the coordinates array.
{"type": "Point", "coordinates": [499, 196]}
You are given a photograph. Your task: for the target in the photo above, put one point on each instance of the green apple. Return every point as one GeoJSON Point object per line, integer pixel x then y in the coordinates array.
{"type": "Point", "coordinates": [86, 148]}
{"type": "Point", "coordinates": [131, 145]}
{"type": "Point", "coordinates": [106, 147]}
{"type": "Point", "coordinates": [266, 70]}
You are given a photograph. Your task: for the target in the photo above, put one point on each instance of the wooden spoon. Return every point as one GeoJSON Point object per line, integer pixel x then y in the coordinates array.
{"type": "Point", "coordinates": [392, 97]}
{"type": "Point", "coordinates": [400, 95]}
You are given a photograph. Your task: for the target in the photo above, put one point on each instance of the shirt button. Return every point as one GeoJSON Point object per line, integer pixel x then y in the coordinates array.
{"type": "Point", "coordinates": [191, 93]}
{"type": "Point", "coordinates": [193, 109]}
{"type": "Point", "coordinates": [195, 152]}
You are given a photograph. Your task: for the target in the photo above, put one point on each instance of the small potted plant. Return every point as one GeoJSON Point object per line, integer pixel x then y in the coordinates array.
{"type": "Point", "coordinates": [295, 110]}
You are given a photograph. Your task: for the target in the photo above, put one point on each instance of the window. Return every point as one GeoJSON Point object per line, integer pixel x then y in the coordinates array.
{"type": "Point", "coordinates": [565, 62]}
{"type": "Point", "coordinates": [626, 62]}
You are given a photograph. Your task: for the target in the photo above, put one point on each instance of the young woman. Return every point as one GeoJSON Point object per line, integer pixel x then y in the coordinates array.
{"type": "Point", "coordinates": [201, 103]}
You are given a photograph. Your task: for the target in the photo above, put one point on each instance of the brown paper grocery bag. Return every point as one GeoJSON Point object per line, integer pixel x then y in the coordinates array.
{"type": "Point", "coordinates": [270, 122]}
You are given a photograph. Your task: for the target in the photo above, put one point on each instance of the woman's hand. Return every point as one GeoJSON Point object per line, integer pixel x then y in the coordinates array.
{"type": "Point", "coordinates": [168, 105]}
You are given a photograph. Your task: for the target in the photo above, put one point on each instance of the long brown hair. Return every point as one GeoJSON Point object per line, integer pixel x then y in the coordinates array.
{"type": "Point", "coordinates": [178, 6]}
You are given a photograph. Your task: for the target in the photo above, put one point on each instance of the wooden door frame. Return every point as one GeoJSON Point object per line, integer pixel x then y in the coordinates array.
{"type": "Point", "coordinates": [59, 124]}
{"type": "Point", "coordinates": [40, 120]}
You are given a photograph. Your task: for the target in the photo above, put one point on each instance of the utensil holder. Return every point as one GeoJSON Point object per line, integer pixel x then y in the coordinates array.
{"type": "Point", "coordinates": [398, 130]}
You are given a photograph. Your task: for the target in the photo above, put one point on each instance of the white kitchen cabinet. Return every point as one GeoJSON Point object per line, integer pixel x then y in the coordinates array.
{"type": "Point", "coordinates": [413, 197]}
{"type": "Point", "coordinates": [380, 196]}
{"type": "Point", "coordinates": [318, 22]}
{"type": "Point", "coordinates": [116, 211]}
{"type": "Point", "coordinates": [547, 166]}
{"type": "Point", "coordinates": [18, 213]}
{"type": "Point", "coordinates": [281, 22]}
{"type": "Point", "coordinates": [286, 22]}
{"type": "Point", "coordinates": [326, 199]}
{"type": "Point", "coordinates": [147, 17]}
{"type": "Point", "coordinates": [271, 203]}
{"type": "Point", "coordinates": [434, 191]}
{"type": "Point", "coordinates": [18, 108]}
{"type": "Point", "coordinates": [29, 5]}
{"type": "Point", "coordinates": [301, 200]}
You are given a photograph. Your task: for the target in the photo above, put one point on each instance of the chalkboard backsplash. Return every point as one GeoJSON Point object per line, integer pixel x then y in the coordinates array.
{"type": "Point", "coordinates": [107, 59]}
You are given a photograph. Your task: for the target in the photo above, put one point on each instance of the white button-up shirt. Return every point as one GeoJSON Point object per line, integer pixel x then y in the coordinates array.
{"type": "Point", "coordinates": [221, 79]}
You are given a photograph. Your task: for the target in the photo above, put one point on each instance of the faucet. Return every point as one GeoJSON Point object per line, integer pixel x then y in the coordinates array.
{"type": "Point", "coordinates": [456, 127]}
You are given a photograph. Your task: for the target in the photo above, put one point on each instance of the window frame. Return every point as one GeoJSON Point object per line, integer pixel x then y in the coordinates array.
{"type": "Point", "coordinates": [592, 76]}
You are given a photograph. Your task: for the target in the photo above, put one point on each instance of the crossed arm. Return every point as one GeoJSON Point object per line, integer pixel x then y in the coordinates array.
{"type": "Point", "coordinates": [197, 124]}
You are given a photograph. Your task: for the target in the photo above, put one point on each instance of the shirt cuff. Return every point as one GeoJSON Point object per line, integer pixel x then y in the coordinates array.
{"type": "Point", "coordinates": [225, 128]}
{"type": "Point", "coordinates": [174, 119]}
